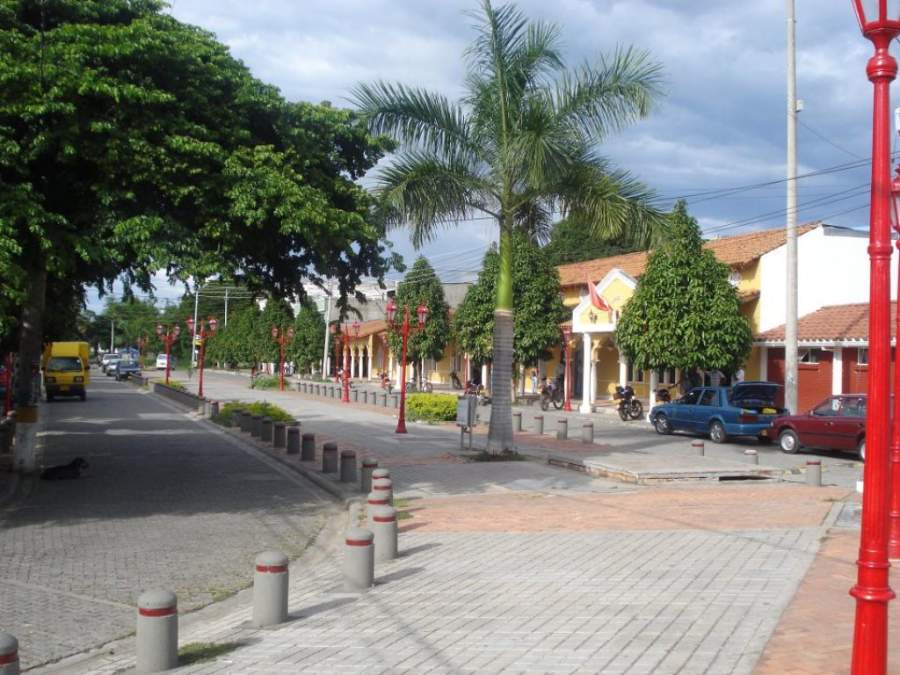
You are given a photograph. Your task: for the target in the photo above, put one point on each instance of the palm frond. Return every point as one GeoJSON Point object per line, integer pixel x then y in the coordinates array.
{"type": "Point", "coordinates": [535, 220]}
{"type": "Point", "coordinates": [621, 90]}
{"type": "Point", "coordinates": [414, 116]}
{"type": "Point", "coordinates": [425, 191]}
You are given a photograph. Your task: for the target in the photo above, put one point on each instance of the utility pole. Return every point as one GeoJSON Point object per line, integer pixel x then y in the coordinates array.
{"type": "Point", "coordinates": [112, 335]}
{"type": "Point", "coordinates": [790, 323]}
{"type": "Point", "coordinates": [327, 332]}
{"type": "Point", "coordinates": [226, 308]}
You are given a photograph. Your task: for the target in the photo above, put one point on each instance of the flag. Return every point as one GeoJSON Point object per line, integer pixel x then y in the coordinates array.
{"type": "Point", "coordinates": [596, 300]}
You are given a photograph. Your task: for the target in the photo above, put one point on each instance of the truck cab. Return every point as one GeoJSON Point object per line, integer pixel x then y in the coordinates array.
{"type": "Point", "coordinates": [66, 369]}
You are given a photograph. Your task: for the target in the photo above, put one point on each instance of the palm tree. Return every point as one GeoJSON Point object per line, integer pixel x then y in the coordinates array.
{"type": "Point", "coordinates": [520, 147]}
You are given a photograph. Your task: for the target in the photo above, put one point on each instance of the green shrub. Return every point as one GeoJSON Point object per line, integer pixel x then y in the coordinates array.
{"type": "Point", "coordinates": [262, 408]}
{"type": "Point", "coordinates": [266, 382]}
{"type": "Point", "coordinates": [431, 407]}
{"type": "Point", "coordinates": [176, 385]}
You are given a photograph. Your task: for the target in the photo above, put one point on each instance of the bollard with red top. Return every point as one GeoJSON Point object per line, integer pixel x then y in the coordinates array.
{"type": "Point", "coordinates": [348, 466]}
{"type": "Point", "coordinates": [699, 447]}
{"type": "Point", "coordinates": [374, 501]}
{"type": "Point", "coordinates": [383, 521]}
{"type": "Point", "coordinates": [380, 473]}
{"type": "Point", "coordinates": [308, 448]}
{"type": "Point", "coordinates": [369, 465]}
{"type": "Point", "coordinates": [329, 457]}
{"type": "Point", "coordinates": [814, 472]}
{"type": "Point", "coordinates": [9, 654]}
{"type": "Point", "coordinates": [157, 631]}
{"type": "Point", "coordinates": [359, 559]}
{"type": "Point", "coordinates": [384, 486]}
{"type": "Point", "coordinates": [270, 589]}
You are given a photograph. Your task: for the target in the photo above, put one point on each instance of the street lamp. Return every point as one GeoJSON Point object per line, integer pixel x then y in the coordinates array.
{"type": "Point", "coordinates": [422, 316]}
{"type": "Point", "coordinates": [205, 329]}
{"type": "Point", "coordinates": [894, 460]}
{"type": "Point", "coordinates": [872, 591]}
{"type": "Point", "coordinates": [168, 336]}
{"type": "Point", "coordinates": [282, 337]}
{"type": "Point", "coordinates": [567, 335]}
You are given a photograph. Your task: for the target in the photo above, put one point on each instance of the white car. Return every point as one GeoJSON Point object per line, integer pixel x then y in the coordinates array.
{"type": "Point", "coordinates": [161, 362]}
{"type": "Point", "coordinates": [108, 361]}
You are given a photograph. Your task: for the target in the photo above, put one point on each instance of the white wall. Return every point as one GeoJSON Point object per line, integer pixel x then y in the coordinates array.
{"type": "Point", "coordinates": [833, 269]}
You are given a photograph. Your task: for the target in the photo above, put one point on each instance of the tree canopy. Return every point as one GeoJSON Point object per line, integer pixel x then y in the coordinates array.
{"type": "Point", "coordinates": [309, 338]}
{"type": "Point", "coordinates": [684, 313]}
{"type": "Point", "coordinates": [130, 143]}
{"type": "Point", "coordinates": [520, 146]}
{"type": "Point", "coordinates": [537, 305]}
{"type": "Point", "coordinates": [572, 242]}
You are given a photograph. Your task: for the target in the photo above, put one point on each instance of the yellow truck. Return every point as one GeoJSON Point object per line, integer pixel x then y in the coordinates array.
{"type": "Point", "coordinates": [67, 371]}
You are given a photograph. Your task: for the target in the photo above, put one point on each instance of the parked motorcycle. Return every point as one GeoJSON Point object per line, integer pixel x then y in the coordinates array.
{"type": "Point", "coordinates": [628, 405]}
{"type": "Point", "coordinates": [551, 393]}
{"type": "Point", "coordinates": [426, 386]}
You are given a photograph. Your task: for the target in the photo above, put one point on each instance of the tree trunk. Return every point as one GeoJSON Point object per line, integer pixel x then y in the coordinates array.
{"type": "Point", "coordinates": [500, 434]}
{"type": "Point", "coordinates": [31, 333]}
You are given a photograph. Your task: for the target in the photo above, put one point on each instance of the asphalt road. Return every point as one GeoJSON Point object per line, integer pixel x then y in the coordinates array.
{"type": "Point", "coordinates": [167, 502]}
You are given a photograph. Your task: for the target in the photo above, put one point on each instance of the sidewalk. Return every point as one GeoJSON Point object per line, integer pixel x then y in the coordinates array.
{"type": "Point", "coordinates": [522, 567]}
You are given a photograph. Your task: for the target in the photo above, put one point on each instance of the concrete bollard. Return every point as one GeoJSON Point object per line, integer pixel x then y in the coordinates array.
{"type": "Point", "coordinates": [396, 400]}
{"type": "Point", "coordinates": [752, 456]}
{"type": "Point", "coordinates": [562, 429]}
{"type": "Point", "coordinates": [539, 424]}
{"type": "Point", "coordinates": [384, 400]}
{"type": "Point", "coordinates": [373, 501]}
{"type": "Point", "coordinates": [384, 486]}
{"type": "Point", "coordinates": [329, 458]}
{"type": "Point", "coordinates": [359, 559]}
{"type": "Point", "coordinates": [335, 392]}
{"type": "Point", "coordinates": [384, 531]}
{"type": "Point", "coordinates": [244, 420]}
{"type": "Point", "coordinates": [365, 476]}
{"type": "Point", "coordinates": [814, 473]}
{"type": "Point", "coordinates": [279, 434]}
{"type": "Point", "coordinates": [256, 426]}
{"type": "Point", "coordinates": [380, 473]}
{"type": "Point", "coordinates": [9, 654]}
{"type": "Point", "coordinates": [699, 447]}
{"type": "Point", "coordinates": [587, 432]}
{"type": "Point", "coordinates": [270, 589]}
{"type": "Point", "coordinates": [308, 448]}
{"type": "Point", "coordinates": [157, 632]}
{"type": "Point", "coordinates": [355, 393]}
{"type": "Point", "coordinates": [213, 408]}
{"type": "Point", "coordinates": [265, 430]}
{"type": "Point", "coordinates": [517, 421]}
{"type": "Point", "coordinates": [316, 389]}
{"type": "Point", "coordinates": [348, 466]}
{"type": "Point", "coordinates": [201, 407]}
{"type": "Point", "coordinates": [293, 440]}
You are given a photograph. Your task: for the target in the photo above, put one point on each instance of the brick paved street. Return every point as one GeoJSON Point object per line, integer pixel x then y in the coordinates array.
{"type": "Point", "coordinates": [163, 503]}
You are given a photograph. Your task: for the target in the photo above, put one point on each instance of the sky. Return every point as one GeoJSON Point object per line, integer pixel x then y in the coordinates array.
{"type": "Point", "coordinates": [720, 125]}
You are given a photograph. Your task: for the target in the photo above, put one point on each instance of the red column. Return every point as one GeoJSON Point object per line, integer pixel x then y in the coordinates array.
{"type": "Point", "coordinates": [168, 351]}
{"type": "Point", "coordinates": [404, 333]}
{"type": "Point", "coordinates": [345, 397]}
{"type": "Point", "coordinates": [202, 359]}
{"type": "Point", "coordinates": [281, 364]}
{"type": "Point", "coordinates": [871, 591]}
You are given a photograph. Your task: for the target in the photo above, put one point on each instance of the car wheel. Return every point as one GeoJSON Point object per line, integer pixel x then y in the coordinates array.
{"type": "Point", "coordinates": [717, 432]}
{"type": "Point", "coordinates": [861, 449]}
{"type": "Point", "coordinates": [662, 425]}
{"type": "Point", "coordinates": [82, 396]}
{"type": "Point", "coordinates": [788, 441]}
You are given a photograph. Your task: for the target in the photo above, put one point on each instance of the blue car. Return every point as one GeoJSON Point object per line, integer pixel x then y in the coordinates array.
{"type": "Point", "coordinates": [746, 409]}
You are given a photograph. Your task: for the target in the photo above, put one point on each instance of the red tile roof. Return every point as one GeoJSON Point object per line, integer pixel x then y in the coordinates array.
{"type": "Point", "coordinates": [834, 323]}
{"type": "Point", "coordinates": [734, 251]}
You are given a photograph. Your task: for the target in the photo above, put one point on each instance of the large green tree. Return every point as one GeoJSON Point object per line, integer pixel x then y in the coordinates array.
{"type": "Point", "coordinates": [684, 313]}
{"type": "Point", "coordinates": [537, 306]}
{"type": "Point", "coordinates": [309, 338]}
{"type": "Point", "coordinates": [130, 142]}
{"type": "Point", "coordinates": [571, 242]}
{"type": "Point", "coordinates": [520, 147]}
{"type": "Point", "coordinates": [421, 285]}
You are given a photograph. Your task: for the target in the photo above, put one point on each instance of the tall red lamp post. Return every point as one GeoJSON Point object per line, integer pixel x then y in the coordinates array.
{"type": "Point", "coordinates": [168, 336]}
{"type": "Point", "coordinates": [205, 329]}
{"type": "Point", "coordinates": [404, 328]}
{"type": "Point", "coordinates": [872, 591]}
{"type": "Point", "coordinates": [894, 462]}
{"type": "Point", "coordinates": [282, 337]}
{"type": "Point", "coordinates": [567, 336]}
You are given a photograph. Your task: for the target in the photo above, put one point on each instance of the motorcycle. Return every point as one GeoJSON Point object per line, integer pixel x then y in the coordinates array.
{"type": "Point", "coordinates": [628, 405]}
{"type": "Point", "coordinates": [551, 393]}
{"type": "Point", "coordinates": [478, 391]}
{"type": "Point", "coordinates": [426, 386]}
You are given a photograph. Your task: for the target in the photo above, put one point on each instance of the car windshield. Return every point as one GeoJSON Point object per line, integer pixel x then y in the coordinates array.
{"type": "Point", "coordinates": [64, 364]}
{"type": "Point", "coordinates": [125, 363]}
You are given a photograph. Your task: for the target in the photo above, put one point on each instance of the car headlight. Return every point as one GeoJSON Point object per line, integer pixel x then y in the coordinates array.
{"type": "Point", "coordinates": [50, 380]}
{"type": "Point", "coordinates": [78, 378]}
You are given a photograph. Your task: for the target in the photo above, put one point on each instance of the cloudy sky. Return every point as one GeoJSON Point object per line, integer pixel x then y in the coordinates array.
{"type": "Point", "coordinates": [721, 124]}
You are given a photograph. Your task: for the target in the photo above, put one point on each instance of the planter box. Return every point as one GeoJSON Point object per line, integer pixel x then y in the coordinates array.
{"type": "Point", "coordinates": [181, 397]}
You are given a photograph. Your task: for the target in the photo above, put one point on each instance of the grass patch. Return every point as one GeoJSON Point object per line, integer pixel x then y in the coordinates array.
{"type": "Point", "coordinates": [176, 385]}
{"type": "Point", "coordinates": [198, 652]}
{"type": "Point", "coordinates": [262, 408]}
{"type": "Point", "coordinates": [400, 505]}
{"type": "Point", "coordinates": [485, 456]}
{"type": "Point", "coordinates": [266, 382]}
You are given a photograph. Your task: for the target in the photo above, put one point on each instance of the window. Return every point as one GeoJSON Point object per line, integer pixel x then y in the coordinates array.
{"type": "Point", "coordinates": [65, 364]}
{"type": "Point", "coordinates": [666, 375]}
{"type": "Point", "coordinates": [691, 397]}
{"type": "Point", "coordinates": [828, 409]}
{"type": "Point", "coordinates": [633, 374]}
{"type": "Point", "coordinates": [853, 407]}
{"type": "Point", "coordinates": [808, 356]}
{"type": "Point", "coordinates": [862, 356]}
{"type": "Point", "coordinates": [708, 397]}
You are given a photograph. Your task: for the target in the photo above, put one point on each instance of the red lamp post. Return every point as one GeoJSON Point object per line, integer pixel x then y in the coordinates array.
{"type": "Point", "coordinates": [894, 463]}
{"type": "Point", "coordinates": [404, 328]}
{"type": "Point", "coordinates": [168, 336]}
{"type": "Point", "coordinates": [205, 329]}
{"type": "Point", "coordinates": [282, 337]}
{"type": "Point", "coordinates": [567, 335]}
{"type": "Point", "coordinates": [872, 591]}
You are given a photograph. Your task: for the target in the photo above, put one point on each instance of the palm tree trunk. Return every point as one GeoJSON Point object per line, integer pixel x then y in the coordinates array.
{"type": "Point", "coordinates": [500, 433]}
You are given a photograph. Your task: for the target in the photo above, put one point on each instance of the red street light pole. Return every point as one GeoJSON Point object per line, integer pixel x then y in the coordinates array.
{"type": "Point", "coordinates": [567, 335]}
{"type": "Point", "coordinates": [894, 464]}
{"type": "Point", "coordinates": [422, 314]}
{"type": "Point", "coordinates": [168, 336]}
{"type": "Point", "coordinates": [872, 591]}
{"type": "Point", "coordinates": [205, 330]}
{"type": "Point", "coordinates": [282, 337]}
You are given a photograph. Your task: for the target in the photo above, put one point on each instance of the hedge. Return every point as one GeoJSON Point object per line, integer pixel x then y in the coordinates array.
{"type": "Point", "coordinates": [431, 407]}
{"type": "Point", "coordinates": [261, 408]}
{"type": "Point", "coordinates": [266, 382]}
